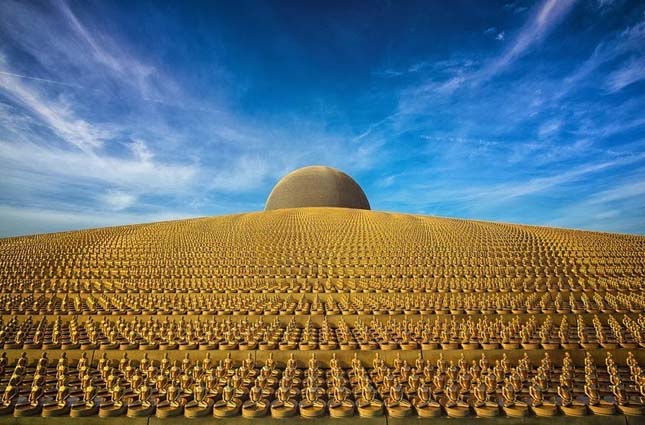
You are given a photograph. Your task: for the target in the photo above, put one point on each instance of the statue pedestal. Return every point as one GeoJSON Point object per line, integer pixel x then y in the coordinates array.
{"type": "Point", "coordinates": [109, 410]}
{"type": "Point", "coordinates": [488, 409]}
{"type": "Point", "coordinates": [576, 408]}
{"type": "Point", "coordinates": [312, 410]}
{"type": "Point", "coordinates": [6, 409]}
{"type": "Point", "coordinates": [632, 409]}
{"type": "Point", "coordinates": [81, 410]}
{"type": "Point", "coordinates": [223, 409]}
{"type": "Point", "coordinates": [341, 410]}
{"type": "Point", "coordinates": [195, 410]}
{"type": "Point", "coordinates": [284, 410]}
{"type": "Point", "coordinates": [603, 408]}
{"type": "Point", "coordinates": [429, 409]}
{"type": "Point", "coordinates": [27, 409]}
{"type": "Point", "coordinates": [519, 409]}
{"type": "Point", "coordinates": [545, 409]}
{"type": "Point", "coordinates": [165, 410]}
{"type": "Point", "coordinates": [255, 410]}
{"type": "Point", "coordinates": [458, 410]}
{"type": "Point", "coordinates": [138, 409]}
{"type": "Point", "coordinates": [401, 409]}
{"type": "Point", "coordinates": [368, 409]}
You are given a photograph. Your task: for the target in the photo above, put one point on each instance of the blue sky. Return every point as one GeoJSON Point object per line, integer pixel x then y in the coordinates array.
{"type": "Point", "coordinates": [126, 112]}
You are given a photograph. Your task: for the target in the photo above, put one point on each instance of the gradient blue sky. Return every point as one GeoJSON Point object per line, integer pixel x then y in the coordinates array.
{"type": "Point", "coordinates": [125, 112]}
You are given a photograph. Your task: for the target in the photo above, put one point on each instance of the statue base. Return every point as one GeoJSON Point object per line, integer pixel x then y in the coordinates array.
{"type": "Point", "coordinates": [284, 410]}
{"type": "Point", "coordinates": [545, 409]}
{"type": "Point", "coordinates": [574, 409]}
{"type": "Point", "coordinates": [401, 409]}
{"type": "Point", "coordinates": [341, 410]}
{"type": "Point", "coordinates": [519, 409]}
{"type": "Point", "coordinates": [27, 409]}
{"type": "Point", "coordinates": [255, 410]}
{"type": "Point", "coordinates": [223, 409]}
{"type": "Point", "coordinates": [82, 410]}
{"type": "Point", "coordinates": [110, 410]}
{"type": "Point", "coordinates": [138, 409]}
{"type": "Point", "coordinates": [603, 408]}
{"type": "Point", "coordinates": [430, 409]}
{"type": "Point", "coordinates": [459, 410]}
{"type": "Point", "coordinates": [6, 409]}
{"type": "Point", "coordinates": [194, 410]}
{"type": "Point", "coordinates": [312, 410]}
{"type": "Point", "coordinates": [371, 409]}
{"type": "Point", "coordinates": [165, 410]}
{"type": "Point", "coordinates": [488, 409]}
{"type": "Point", "coordinates": [632, 409]}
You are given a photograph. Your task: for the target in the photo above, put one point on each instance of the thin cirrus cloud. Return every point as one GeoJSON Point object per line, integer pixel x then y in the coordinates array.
{"type": "Point", "coordinates": [55, 115]}
{"type": "Point", "coordinates": [112, 115]}
{"type": "Point", "coordinates": [546, 17]}
{"type": "Point", "coordinates": [632, 72]}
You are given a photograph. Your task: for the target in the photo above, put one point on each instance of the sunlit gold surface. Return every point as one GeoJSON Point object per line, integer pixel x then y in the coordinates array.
{"type": "Point", "coordinates": [347, 247]}
{"type": "Point", "coordinates": [341, 285]}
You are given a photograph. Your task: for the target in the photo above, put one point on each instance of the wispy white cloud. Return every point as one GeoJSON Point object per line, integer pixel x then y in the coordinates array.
{"type": "Point", "coordinates": [509, 191]}
{"type": "Point", "coordinates": [133, 173]}
{"type": "Point", "coordinates": [604, 5]}
{"type": "Point", "coordinates": [545, 18]}
{"type": "Point", "coordinates": [66, 48]}
{"type": "Point", "coordinates": [483, 196]}
{"type": "Point", "coordinates": [141, 151]}
{"type": "Point", "coordinates": [54, 146]}
{"type": "Point", "coordinates": [117, 200]}
{"type": "Point", "coordinates": [520, 137]}
{"type": "Point", "coordinates": [78, 151]}
{"type": "Point", "coordinates": [25, 220]}
{"type": "Point", "coordinates": [631, 72]}
{"type": "Point", "coordinates": [627, 41]}
{"type": "Point", "coordinates": [549, 128]}
{"type": "Point", "coordinates": [619, 208]}
{"type": "Point", "coordinates": [630, 190]}
{"type": "Point", "coordinates": [43, 80]}
{"type": "Point", "coordinates": [387, 181]}
{"type": "Point", "coordinates": [468, 130]}
{"type": "Point", "coordinates": [57, 115]}
{"type": "Point", "coordinates": [246, 172]}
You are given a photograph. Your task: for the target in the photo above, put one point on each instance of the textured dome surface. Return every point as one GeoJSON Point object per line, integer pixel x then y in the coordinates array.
{"type": "Point", "coordinates": [317, 186]}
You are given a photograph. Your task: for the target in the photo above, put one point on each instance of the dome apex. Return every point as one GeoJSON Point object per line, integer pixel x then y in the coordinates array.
{"type": "Point", "coordinates": [317, 186]}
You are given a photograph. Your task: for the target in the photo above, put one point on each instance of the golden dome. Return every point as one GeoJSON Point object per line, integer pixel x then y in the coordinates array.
{"type": "Point", "coordinates": [317, 186]}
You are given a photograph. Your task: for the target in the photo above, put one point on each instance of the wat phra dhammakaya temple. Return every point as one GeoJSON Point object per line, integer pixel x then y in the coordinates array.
{"type": "Point", "coordinates": [320, 308]}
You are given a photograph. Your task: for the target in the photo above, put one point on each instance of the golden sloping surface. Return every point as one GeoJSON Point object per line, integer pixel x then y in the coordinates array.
{"type": "Point", "coordinates": [353, 247]}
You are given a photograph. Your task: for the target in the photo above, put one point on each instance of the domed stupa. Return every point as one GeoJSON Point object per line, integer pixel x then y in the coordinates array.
{"type": "Point", "coordinates": [317, 186]}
